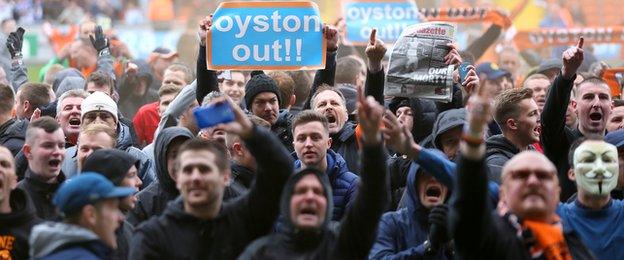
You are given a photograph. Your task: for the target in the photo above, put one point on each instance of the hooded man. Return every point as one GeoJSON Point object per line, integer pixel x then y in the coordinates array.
{"type": "Point", "coordinates": [90, 205]}
{"type": "Point", "coordinates": [153, 200]}
{"type": "Point", "coordinates": [17, 214]}
{"type": "Point", "coordinates": [593, 213]}
{"type": "Point", "coordinates": [312, 146]}
{"type": "Point", "coordinates": [198, 224]}
{"type": "Point", "coordinates": [446, 132]}
{"type": "Point", "coordinates": [134, 89]}
{"type": "Point", "coordinates": [123, 173]}
{"type": "Point", "coordinates": [306, 205]}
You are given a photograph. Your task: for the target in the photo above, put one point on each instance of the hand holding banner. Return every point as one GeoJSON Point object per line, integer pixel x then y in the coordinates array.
{"type": "Point", "coordinates": [266, 36]}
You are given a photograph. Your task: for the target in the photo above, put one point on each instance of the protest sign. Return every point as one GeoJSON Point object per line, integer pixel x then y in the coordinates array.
{"type": "Point", "coordinates": [390, 17]}
{"type": "Point", "coordinates": [549, 37]}
{"type": "Point", "coordinates": [417, 64]}
{"type": "Point", "coordinates": [266, 36]}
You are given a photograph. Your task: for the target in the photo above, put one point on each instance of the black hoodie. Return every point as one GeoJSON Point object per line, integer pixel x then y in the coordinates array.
{"type": "Point", "coordinates": [179, 235]}
{"type": "Point", "coordinates": [498, 150]}
{"type": "Point", "coordinates": [357, 229]}
{"type": "Point", "coordinates": [153, 199]}
{"type": "Point", "coordinates": [13, 134]}
{"type": "Point", "coordinates": [15, 226]}
{"type": "Point", "coordinates": [129, 104]}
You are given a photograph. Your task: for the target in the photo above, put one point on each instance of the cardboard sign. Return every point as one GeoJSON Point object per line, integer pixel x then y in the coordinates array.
{"type": "Point", "coordinates": [266, 36]}
{"type": "Point", "coordinates": [390, 17]}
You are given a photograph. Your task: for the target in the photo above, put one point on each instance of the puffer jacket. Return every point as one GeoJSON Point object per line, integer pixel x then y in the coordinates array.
{"type": "Point", "coordinates": [58, 240]}
{"type": "Point", "coordinates": [343, 182]}
{"type": "Point", "coordinates": [13, 134]}
{"type": "Point", "coordinates": [283, 129]}
{"type": "Point", "coordinates": [153, 200]}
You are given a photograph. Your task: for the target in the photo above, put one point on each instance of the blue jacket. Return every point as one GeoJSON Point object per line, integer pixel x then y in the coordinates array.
{"type": "Point", "coordinates": [343, 183]}
{"type": "Point", "coordinates": [601, 230]}
{"type": "Point", "coordinates": [401, 233]}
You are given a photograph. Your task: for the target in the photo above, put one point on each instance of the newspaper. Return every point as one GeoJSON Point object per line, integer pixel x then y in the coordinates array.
{"type": "Point", "coordinates": [417, 67]}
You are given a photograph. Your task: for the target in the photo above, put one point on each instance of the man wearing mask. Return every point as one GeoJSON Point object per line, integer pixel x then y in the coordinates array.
{"type": "Point", "coordinates": [593, 107]}
{"type": "Point", "coordinates": [593, 212]}
{"type": "Point", "coordinates": [306, 205]}
{"type": "Point", "coordinates": [90, 206]}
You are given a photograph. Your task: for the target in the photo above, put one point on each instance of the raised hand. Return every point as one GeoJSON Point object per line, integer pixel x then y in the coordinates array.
{"type": "Point", "coordinates": [479, 112]}
{"type": "Point", "coordinates": [100, 42]}
{"type": "Point", "coordinates": [399, 137]}
{"type": "Point", "coordinates": [438, 231]}
{"type": "Point", "coordinates": [14, 43]}
{"type": "Point", "coordinates": [330, 34]}
{"type": "Point", "coordinates": [453, 57]}
{"type": "Point", "coordinates": [375, 52]}
{"type": "Point", "coordinates": [572, 59]}
{"type": "Point", "coordinates": [370, 114]}
{"type": "Point", "coordinates": [241, 126]}
{"type": "Point", "coordinates": [204, 27]}
{"type": "Point", "coordinates": [472, 80]}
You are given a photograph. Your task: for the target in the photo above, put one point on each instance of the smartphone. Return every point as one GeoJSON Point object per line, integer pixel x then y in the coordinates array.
{"type": "Point", "coordinates": [213, 115]}
{"type": "Point", "coordinates": [463, 71]}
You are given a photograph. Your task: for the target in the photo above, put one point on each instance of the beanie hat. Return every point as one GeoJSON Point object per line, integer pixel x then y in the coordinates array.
{"type": "Point", "coordinates": [98, 101]}
{"type": "Point", "coordinates": [260, 83]}
{"type": "Point", "coordinates": [112, 163]}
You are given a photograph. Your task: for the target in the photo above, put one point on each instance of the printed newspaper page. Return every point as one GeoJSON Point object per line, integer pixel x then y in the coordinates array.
{"type": "Point", "coordinates": [417, 67]}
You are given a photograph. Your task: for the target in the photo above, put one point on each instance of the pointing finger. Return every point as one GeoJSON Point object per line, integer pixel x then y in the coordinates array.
{"type": "Point", "coordinates": [373, 36]}
{"type": "Point", "coordinates": [580, 43]}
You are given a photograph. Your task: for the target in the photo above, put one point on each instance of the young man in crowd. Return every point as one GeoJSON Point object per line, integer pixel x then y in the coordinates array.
{"type": "Point", "coordinates": [540, 85]}
{"type": "Point", "coordinates": [12, 131]}
{"type": "Point", "coordinates": [124, 173]}
{"type": "Point", "coordinates": [90, 207]}
{"type": "Point", "coordinates": [68, 114]}
{"type": "Point", "coordinates": [529, 195]}
{"type": "Point", "coordinates": [201, 171]}
{"type": "Point", "coordinates": [92, 138]}
{"type": "Point", "coordinates": [17, 214]}
{"type": "Point", "coordinates": [616, 119]}
{"type": "Point", "coordinates": [593, 213]}
{"type": "Point", "coordinates": [307, 202]}
{"type": "Point", "coordinates": [31, 96]}
{"type": "Point", "coordinates": [153, 200]}
{"type": "Point", "coordinates": [312, 147]}
{"type": "Point", "coordinates": [593, 107]}
{"type": "Point", "coordinates": [45, 151]}
{"type": "Point", "coordinates": [517, 114]}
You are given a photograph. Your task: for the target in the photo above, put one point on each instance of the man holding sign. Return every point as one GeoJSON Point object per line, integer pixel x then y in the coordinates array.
{"type": "Point", "coordinates": [266, 35]}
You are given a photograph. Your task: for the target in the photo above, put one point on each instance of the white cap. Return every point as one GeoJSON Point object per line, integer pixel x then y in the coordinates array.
{"type": "Point", "coordinates": [98, 101]}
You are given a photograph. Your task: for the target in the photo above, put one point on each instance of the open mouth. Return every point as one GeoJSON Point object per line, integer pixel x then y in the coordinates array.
{"type": "Point", "coordinates": [54, 162]}
{"type": "Point", "coordinates": [433, 191]}
{"type": "Point", "coordinates": [310, 211]}
{"type": "Point", "coordinates": [74, 121]}
{"type": "Point", "coordinates": [595, 116]}
{"type": "Point", "coordinates": [330, 118]}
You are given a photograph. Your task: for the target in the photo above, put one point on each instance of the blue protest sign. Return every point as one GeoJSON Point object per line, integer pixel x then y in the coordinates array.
{"type": "Point", "coordinates": [390, 17]}
{"type": "Point", "coordinates": [266, 36]}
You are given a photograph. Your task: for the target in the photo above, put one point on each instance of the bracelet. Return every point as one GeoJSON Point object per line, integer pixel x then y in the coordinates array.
{"type": "Point", "coordinates": [472, 140]}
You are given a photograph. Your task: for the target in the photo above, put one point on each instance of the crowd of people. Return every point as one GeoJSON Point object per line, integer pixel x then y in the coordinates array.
{"type": "Point", "coordinates": [104, 158]}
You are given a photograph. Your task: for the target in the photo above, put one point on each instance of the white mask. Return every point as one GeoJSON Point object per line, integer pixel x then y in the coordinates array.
{"type": "Point", "coordinates": [596, 167]}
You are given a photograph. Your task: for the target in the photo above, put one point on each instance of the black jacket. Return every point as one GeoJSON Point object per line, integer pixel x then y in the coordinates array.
{"type": "Point", "coordinates": [41, 194]}
{"type": "Point", "coordinates": [481, 234]}
{"type": "Point", "coordinates": [357, 229]}
{"type": "Point", "coordinates": [152, 200]}
{"type": "Point", "coordinates": [16, 225]}
{"type": "Point", "coordinates": [498, 150]}
{"type": "Point", "coordinates": [13, 134]}
{"type": "Point", "coordinates": [242, 175]}
{"type": "Point", "coordinates": [345, 143]}
{"type": "Point", "coordinates": [556, 137]}
{"type": "Point", "coordinates": [283, 129]}
{"type": "Point", "coordinates": [178, 235]}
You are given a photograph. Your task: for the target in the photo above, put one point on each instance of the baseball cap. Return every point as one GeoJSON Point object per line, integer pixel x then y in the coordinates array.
{"type": "Point", "coordinates": [491, 71]}
{"type": "Point", "coordinates": [98, 101]}
{"type": "Point", "coordinates": [549, 64]}
{"type": "Point", "coordinates": [616, 138]}
{"type": "Point", "coordinates": [164, 53]}
{"type": "Point", "coordinates": [87, 188]}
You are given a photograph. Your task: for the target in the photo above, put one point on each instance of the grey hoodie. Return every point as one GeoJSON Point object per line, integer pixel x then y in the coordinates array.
{"type": "Point", "coordinates": [48, 237]}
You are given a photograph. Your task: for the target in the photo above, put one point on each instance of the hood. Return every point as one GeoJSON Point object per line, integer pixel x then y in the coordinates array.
{"type": "Point", "coordinates": [22, 210]}
{"type": "Point", "coordinates": [418, 109]}
{"type": "Point", "coordinates": [50, 236]}
{"type": "Point", "coordinates": [160, 155]}
{"type": "Point", "coordinates": [69, 83]}
{"type": "Point", "coordinates": [124, 137]}
{"type": "Point", "coordinates": [62, 74]}
{"type": "Point", "coordinates": [412, 198]}
{"type": "Point", "coordinates": [500, 144]}
{"type": "Point", "coordinates": [447, 120]}
{"type": "Point", "coordinates": [287, 192]}
{"type": "Point", "coordinates": [128, 84]}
